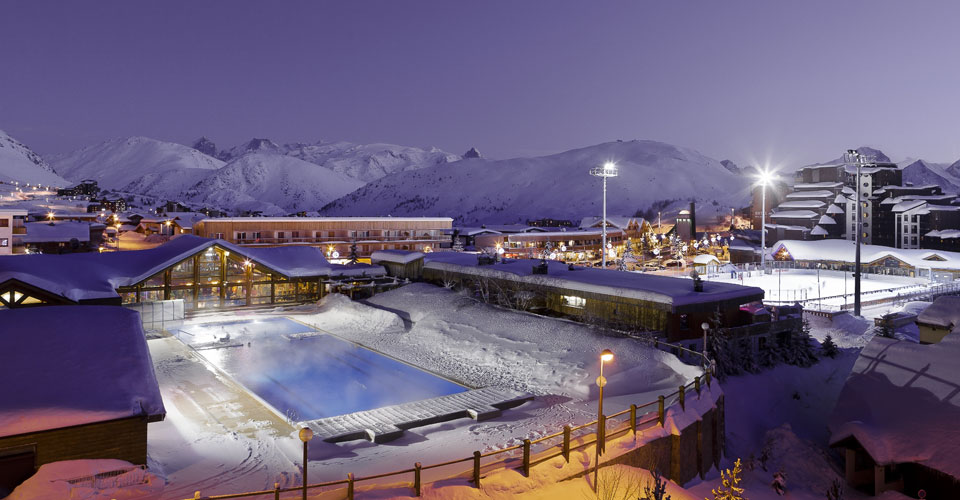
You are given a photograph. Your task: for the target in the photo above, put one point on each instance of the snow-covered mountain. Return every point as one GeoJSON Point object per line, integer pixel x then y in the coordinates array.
{"type": "Point", "coordinates": [365, 162]}
{"type": "Point", "coordinates": [923, 173]}
{"type": "Point", "coordinates": [20, 163]}
{"type": "Point", "coordinates": [138, 165]}
{"type": "Point", "coordinates": [653, 176]}
{"type": "Point", "coordinates": [272, 183]}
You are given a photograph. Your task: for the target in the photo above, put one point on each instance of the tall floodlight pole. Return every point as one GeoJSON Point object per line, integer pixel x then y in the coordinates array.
{"type": "Point", "coordinates": [608, 169]}
{"type": "Point", "coordinates": [861, 160]}
{"type": "Point", "coordinates": [763, 179]}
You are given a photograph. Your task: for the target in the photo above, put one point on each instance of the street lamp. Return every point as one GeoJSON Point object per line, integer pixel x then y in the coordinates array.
{"type": "Point", "coordinates": [861, 161]}
{"type": "Point", "coordinates": [606, 355]}
{"type": "Point", "coordinates": [705, 327]}
{"type": "Point", "coordinates": [766, 177]}
{"type": "Point", "coordinates": [608, 169]}
{"type": "Point", "coordinates": [305, 435]}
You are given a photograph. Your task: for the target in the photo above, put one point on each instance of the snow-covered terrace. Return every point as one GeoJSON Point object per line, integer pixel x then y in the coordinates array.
{"type": "Point", "coordinates": [661, 289]}
{"type": "Point", "coordinates": [71, 365]}
{"type": "Point", "coordinates": [57, 231]}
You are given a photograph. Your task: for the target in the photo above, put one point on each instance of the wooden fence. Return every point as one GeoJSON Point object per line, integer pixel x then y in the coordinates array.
{"type": "Point", "coordinates": [529, 453]}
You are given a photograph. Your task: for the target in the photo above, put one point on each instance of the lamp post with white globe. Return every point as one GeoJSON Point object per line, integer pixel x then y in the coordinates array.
{"type": "Point", "coordinates": [305, 435]}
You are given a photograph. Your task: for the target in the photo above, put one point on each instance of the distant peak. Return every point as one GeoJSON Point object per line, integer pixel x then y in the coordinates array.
{"type": "Point", "coordinates": [873, 154]}
{"type": "Point", "coordinates": [730, 165]}
{"type": "Point", "coordinates": [472, 153]}
{"type": "Point", "coordinates": [205, 146]}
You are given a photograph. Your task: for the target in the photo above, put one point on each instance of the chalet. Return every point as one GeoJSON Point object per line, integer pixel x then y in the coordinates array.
{"type": "Point", "coordinates": [839, 255]}
{"type": "Point", "coordinates": [939, 319]}
{"type": "Point", "coordinates": [203, 273]}
{"type": "Point", "coordinates": [83, 388]}
{"type": "Point", "coordinates": [62, 236]}
{"type": "Point", "coordinates": [86, 187]}
{"type": "Point", "coordinates": [896, 418]}
{"type": "Point", "coordinates": [12, 227]}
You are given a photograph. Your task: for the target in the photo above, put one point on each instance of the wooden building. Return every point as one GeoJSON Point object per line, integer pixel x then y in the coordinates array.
{"type": "Point", "coordinates": [633, 301]}
{"type": "Point", "coordinates": [85, 388]}
{"type": "Point", "coordinates": [204, 273]}
{"type": "Point", "coordinates": [335, 235]}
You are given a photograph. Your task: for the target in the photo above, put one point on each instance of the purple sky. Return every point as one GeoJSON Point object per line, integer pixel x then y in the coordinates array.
{"type": "Point", "coordinates": [792, 82]}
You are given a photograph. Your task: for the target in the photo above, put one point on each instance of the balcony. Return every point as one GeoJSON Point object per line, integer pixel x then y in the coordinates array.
{"type": "Point", "coordinates": [19, 230]}
{"type": "Point", "coordinates": [340, 240]}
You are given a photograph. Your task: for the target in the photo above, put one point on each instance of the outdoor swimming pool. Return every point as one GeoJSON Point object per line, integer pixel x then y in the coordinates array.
{"type": "Point", "coordinates": [305, 374]}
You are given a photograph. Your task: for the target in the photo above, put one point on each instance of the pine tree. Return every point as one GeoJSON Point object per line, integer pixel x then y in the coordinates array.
{"type": "Point", "coordinates": [829, 348]}
{"type": "Point", "coordinates": [835, 492]}
{"type": "Point", "coordinates": [458, 244]}
{"type": "Point", "coordinates": [354, 257]}
{"type": "Point", "coordinates": [730, 488]}
{"type": "Point", "coordinates": [770, 355]}
{"type": "Point", "coordinates": [799, 349]}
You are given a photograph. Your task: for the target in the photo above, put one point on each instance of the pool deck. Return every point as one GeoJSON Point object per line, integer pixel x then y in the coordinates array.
{"type": "Point", "coordinates": [388, 423]}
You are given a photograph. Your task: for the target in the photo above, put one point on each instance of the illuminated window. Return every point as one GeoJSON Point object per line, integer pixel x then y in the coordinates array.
{"type": "Point", "coordinates": [573, 301]}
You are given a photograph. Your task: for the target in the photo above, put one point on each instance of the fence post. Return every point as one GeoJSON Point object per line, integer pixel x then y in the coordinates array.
{"type": "Point", "coordinates": [602, 433]}
{"type": "Point", "coordinates": [349, 486]}
{"type": "Point", "coordinates": [633, 419]}
{"type": "Point", "coordinates": [708, 378]}
{"type": "Point", "coordinates": [476, 469]}
{"type": "Point", "coordinates": [526, 457]}
{"type": "Point", "coordinates": [683, 405]}
{"type": "Point", "coordinates": [276, 491]}
{"type": "Point", "coordinates": [660, 416]}
{"type": "Point", "coordinates": [416, 478]}
{"type": "Point", "coordinates": [696, 385]}
{"type": "Point", "coordinates": [566, 443]}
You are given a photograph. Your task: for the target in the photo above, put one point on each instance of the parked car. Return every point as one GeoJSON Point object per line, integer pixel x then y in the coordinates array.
{"type": "Point", "coordinates": [674, 263]}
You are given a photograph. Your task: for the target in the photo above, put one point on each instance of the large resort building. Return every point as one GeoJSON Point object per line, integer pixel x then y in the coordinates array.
{"type": "Point", "coordinates": [334, 235]}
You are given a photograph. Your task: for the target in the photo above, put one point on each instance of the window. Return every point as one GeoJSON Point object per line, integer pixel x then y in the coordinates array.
{"type": "Point", "coordinates": [241, 236]}
{"type": "Point", "coordinates": [256, 235]}
{"type": "Point", "coordinates": [295, 234]}
{"type": "Point", "coordinates": [4, 222]}
{"type": "Point", "coordinates": [280, 235]}
{"type": "Point", "coordinates": [684, 322]}
{"type": "Point", "coordinates": [218, 236]}
{"type": "Point", "coordinates": [573, 301]}
{"type": "Point", "coordinates": [4, 242]}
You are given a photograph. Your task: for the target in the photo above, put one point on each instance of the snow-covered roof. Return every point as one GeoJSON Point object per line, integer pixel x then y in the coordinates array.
{"type": "Point", "coordinates": [801, 204]}
{"type": "Point", "coordinates": [395, 256]}
{"type": "Point", "coordinates": [564, 235]}
{"type": "Point", "coordinates": [946, 233]}
{"type": "Point", "coordinates": [901, 403]}
{"type": "Point", "coordinates": [794, 214]}
{"type": "Point", "coordinates": [86, 276]}
{"type": "Point", "coordinates": [662, 289]}
{"type": "Point", "coordinates": [826, 219]}
{"type": "Point", "coordinates": [472, 231]}
{"type": "Point", "coordinates": [806, 195]}
{"type": "Point", "coordinates": [818, 185]}
{"type": "Point", "coordinates": [74, 365]}
{"type": "Point", "coordinates": [56, 231]}
{"type": "Point", "coordinates": [944, 312]}
{"type": "Point", "coordinates": [620, 222]}
{"type": "Point", "coordinates": [840, 199]}
{"type": "Point", "coordinates": [818, 231]}
{"type": "Point", "coordinates": [908, 205]}
{"type": "Point", "coordinates": [844, 250]}
{"type": "Point", "coordinates": [833, 209]}
{"type": "Point", "coordinates": [706, 259]}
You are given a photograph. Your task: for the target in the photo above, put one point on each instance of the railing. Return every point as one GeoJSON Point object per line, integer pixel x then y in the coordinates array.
{"type": "Point", "coordinates": [118, 478]}
{"type": "Point", "coordinates": [532, 452]}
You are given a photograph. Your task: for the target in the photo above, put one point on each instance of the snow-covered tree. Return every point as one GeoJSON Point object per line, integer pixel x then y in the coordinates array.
{"type": "Point", "coordinates": [730, 488]}
{"type": "Point", "coordinates": [829, 348]}
{"type": "Point", "coordinates": [770, 355]}
{"type": "Point", "coordinates": [458, 244]}
{"type": "Point", "coordinates": [799, 348]}
{"type": "Point", "coordinates": [354, 257]}
{"type": "Point", "coordinates": [779, 483]}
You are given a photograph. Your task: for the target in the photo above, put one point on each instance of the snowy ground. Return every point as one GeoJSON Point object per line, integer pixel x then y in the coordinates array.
{"type": "Point", "coordinates": [219, 439]}
{"type": "Point", "coordinates": [803, 284]}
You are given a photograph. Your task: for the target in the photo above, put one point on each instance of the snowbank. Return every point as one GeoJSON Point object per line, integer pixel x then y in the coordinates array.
{"type": "Point", "coordinates": [51, 482]}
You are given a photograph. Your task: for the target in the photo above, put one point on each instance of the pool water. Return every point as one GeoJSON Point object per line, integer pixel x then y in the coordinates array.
{"type": "Point", "coordinates": [306, 375]}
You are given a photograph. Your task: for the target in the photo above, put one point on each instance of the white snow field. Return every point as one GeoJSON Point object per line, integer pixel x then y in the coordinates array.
{"type": "Point", "coordinates": [217, 438]}
{"type": "Point", "coordinates": [789, 285]}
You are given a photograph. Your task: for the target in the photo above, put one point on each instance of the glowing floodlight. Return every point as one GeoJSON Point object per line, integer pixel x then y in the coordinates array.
{"type": "Point", "coordinates": [606, 355]}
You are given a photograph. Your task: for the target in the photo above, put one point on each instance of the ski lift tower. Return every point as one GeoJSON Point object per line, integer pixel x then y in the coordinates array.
{"type": "Point", "coordinates": [608, 169]}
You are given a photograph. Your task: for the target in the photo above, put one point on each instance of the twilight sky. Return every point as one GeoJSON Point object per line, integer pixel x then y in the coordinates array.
{"type": "Point", "coordinates": [788, 82]}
